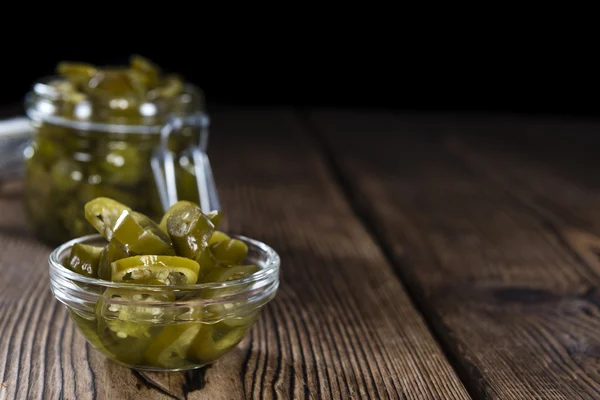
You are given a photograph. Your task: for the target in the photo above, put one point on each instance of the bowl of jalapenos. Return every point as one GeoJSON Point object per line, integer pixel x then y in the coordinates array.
{"type": "Point", "coordinates": [162, 296]}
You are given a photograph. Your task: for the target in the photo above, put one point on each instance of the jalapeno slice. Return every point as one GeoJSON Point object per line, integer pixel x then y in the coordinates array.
{"type": "Point", "coordinates": [215, 217]}
{"type": "Point", "coordinates": [89, 328]}
{"type": "Point", "coordinates": [77, 73]}
{"type": "Point", "coordinates": [217, 236]}
{"type": "Point", "coordinates": [189, 229]}
{"type": "Point", "coordinates": [170, 347]}
{"type": "Point", "coordinates": [145, 70]}
{"type": "Point", "coordinates": [229, 251]}
{"type": "Point", "coordinates": [171, 86]}
{"type": "Point", "coordinates": [141, 235]}
{"type": "Point", "coordinates": [238, 321]}
{"type": "Point", "coordinates": [112, 252]}
{"type": "Point", "coordinates": [224, 273]}
{"type": "Point", "coordinates": [102, 213]}
{"type": "Point", "coordinates": [170, 270]}
{"type": "Point", "coordinates": [122, 164]}
{"type": "Point", "coordinates": [125, 330]}
{"type": "Point", "coordinates": [206, 260]}
{"type": "Point", "coordinates": [84, 259]}
{"type": "Point", "coordinates": [211, 343]}
{"type": "Point", "coordinates": [176, 206]}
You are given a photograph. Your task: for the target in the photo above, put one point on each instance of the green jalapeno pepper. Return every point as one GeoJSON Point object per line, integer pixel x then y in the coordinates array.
{"type": "Point", "coordinates": [171, 210]}
{"type": "Point", "coordinates": [228, 273]}
{"type": "Point", "coordinates": [169, 348]}
{"type": "Point", "coordinates": [229, 251]}
{"type": "Point", "coordinates": [103, 213]}
{"type": "Point", "coordinates": [84, 259]}
{"type": "Point", "coordinates": [170, 270]}
{"type": "Point", "coordinates": [126, 330]}
{"type": "Point", "coordinates": [215, 217]}
{"type": "Point", "coordinates": [211, 343]}
{"type": "Point", "coordinates": [141, 235]}
{"type": "Point", "coordinates": [217, 236]}
{"type": "Point", "coordinates": [138, 233]}
{"type": "Point", "coordinates": [112, 252]}
{"type": "Point", "coordinates": [189, 229]}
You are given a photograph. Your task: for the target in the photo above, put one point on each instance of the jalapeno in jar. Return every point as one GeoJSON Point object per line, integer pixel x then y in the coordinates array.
{"type": "Point", "coordinates": [95, 128]}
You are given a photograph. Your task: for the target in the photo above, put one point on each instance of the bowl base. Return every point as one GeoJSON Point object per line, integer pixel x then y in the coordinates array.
{"type": "Point", "coordinates": [151, 369]}
{"type": "Point", "coordinates": [142, 368]}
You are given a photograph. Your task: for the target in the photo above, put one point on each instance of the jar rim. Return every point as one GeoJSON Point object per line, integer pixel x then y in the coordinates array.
{"type": "Point", "coordinates": [42, 88]}
{"type": "Point", "coordinates": [268, 274]}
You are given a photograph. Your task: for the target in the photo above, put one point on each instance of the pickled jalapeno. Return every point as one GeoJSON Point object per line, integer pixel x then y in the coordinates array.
{"type": "Point", "coordinates": [190, 230]}
{"type": "Point", "coordinates": [84, 259]}
{"type": "Point", "coordinates": [184, 248]}
{"type": "Point", "coordinates": [95, 128]}
{"type": "Point", "coordinates": [164, 269]}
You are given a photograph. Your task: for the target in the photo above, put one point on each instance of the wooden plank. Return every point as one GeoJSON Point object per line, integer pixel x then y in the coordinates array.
{"type": "Point", "coordinates": [499, 250]}
{"type": "Point", "coordinates": [340, 327]}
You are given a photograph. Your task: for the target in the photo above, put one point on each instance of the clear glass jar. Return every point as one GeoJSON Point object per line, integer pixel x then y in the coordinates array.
{"type": "Point", "coordinates": [87, 146]}
{"type": "Point", "coordinates": [165, 328]}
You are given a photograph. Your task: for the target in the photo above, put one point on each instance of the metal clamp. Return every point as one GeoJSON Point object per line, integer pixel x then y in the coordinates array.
{"type": "Point", "coordinates": [163, 164]}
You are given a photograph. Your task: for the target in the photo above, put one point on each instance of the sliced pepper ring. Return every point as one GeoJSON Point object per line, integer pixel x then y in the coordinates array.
{"type": "Point", "coordinates": [208, 345]}
{"type": "Point", "coordinates": [170, 270]}
{"type": "Point", "coordinates": [102, 213]}
{"type": "Point", "coordinates": [215, 217]}
{"type": "Point", "coordinates": [224, 274]}
{"type": "Point", "coordinates": [84, 259]}
{"type": "Point", "coordinates": [141, 235]}
{"type": "Point", "coordinates": [229, 251]}
{"type": "Point", "coordinates": [189, 230]}
{"type": "Point", "coordinates": [171, 210]}
{"type": "Point", "coordinates": [112, 252]}
{"type": "Point", "coordinates": [125, 330]}
{"type": "Point", "coordinates": [169, 348]}
{"type": "Point", "coordinates": [217, 237]}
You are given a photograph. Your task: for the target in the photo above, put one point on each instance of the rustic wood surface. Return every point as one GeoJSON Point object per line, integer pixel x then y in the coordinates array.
{"type": "Point", "coordinates": [493, 224]}
{"type": "Point", "coordinates": [422, 257]}
{"type": "Point", "coordinates": [342, 325]}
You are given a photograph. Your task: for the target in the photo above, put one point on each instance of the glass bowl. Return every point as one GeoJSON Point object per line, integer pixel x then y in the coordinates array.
{"type": "Point", "coordinates": [165, 328]}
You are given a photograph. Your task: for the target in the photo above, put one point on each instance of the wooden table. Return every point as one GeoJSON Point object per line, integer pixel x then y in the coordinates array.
{"type": "Point", "coordinates": [423, 257]}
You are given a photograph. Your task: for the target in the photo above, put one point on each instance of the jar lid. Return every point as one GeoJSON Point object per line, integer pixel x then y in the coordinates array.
{"type": "Point", "coordinates": [138, 98]}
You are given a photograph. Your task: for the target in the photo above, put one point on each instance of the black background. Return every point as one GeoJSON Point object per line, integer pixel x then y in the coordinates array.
{"type": "Point", "coordinates": [381, 72]}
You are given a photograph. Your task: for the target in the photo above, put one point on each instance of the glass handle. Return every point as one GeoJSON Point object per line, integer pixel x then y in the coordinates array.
{"type": "Point", "coordinates": [163, 164]}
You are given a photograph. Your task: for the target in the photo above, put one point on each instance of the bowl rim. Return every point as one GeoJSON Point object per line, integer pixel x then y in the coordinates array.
{"type": "Point", "coordinates": [270, 271]}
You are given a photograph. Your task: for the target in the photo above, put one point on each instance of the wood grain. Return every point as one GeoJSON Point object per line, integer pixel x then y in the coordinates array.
{"type": "Point", "coordinates": [499, 248]}
{"type": "Point", "coordinates": [340, 327]}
